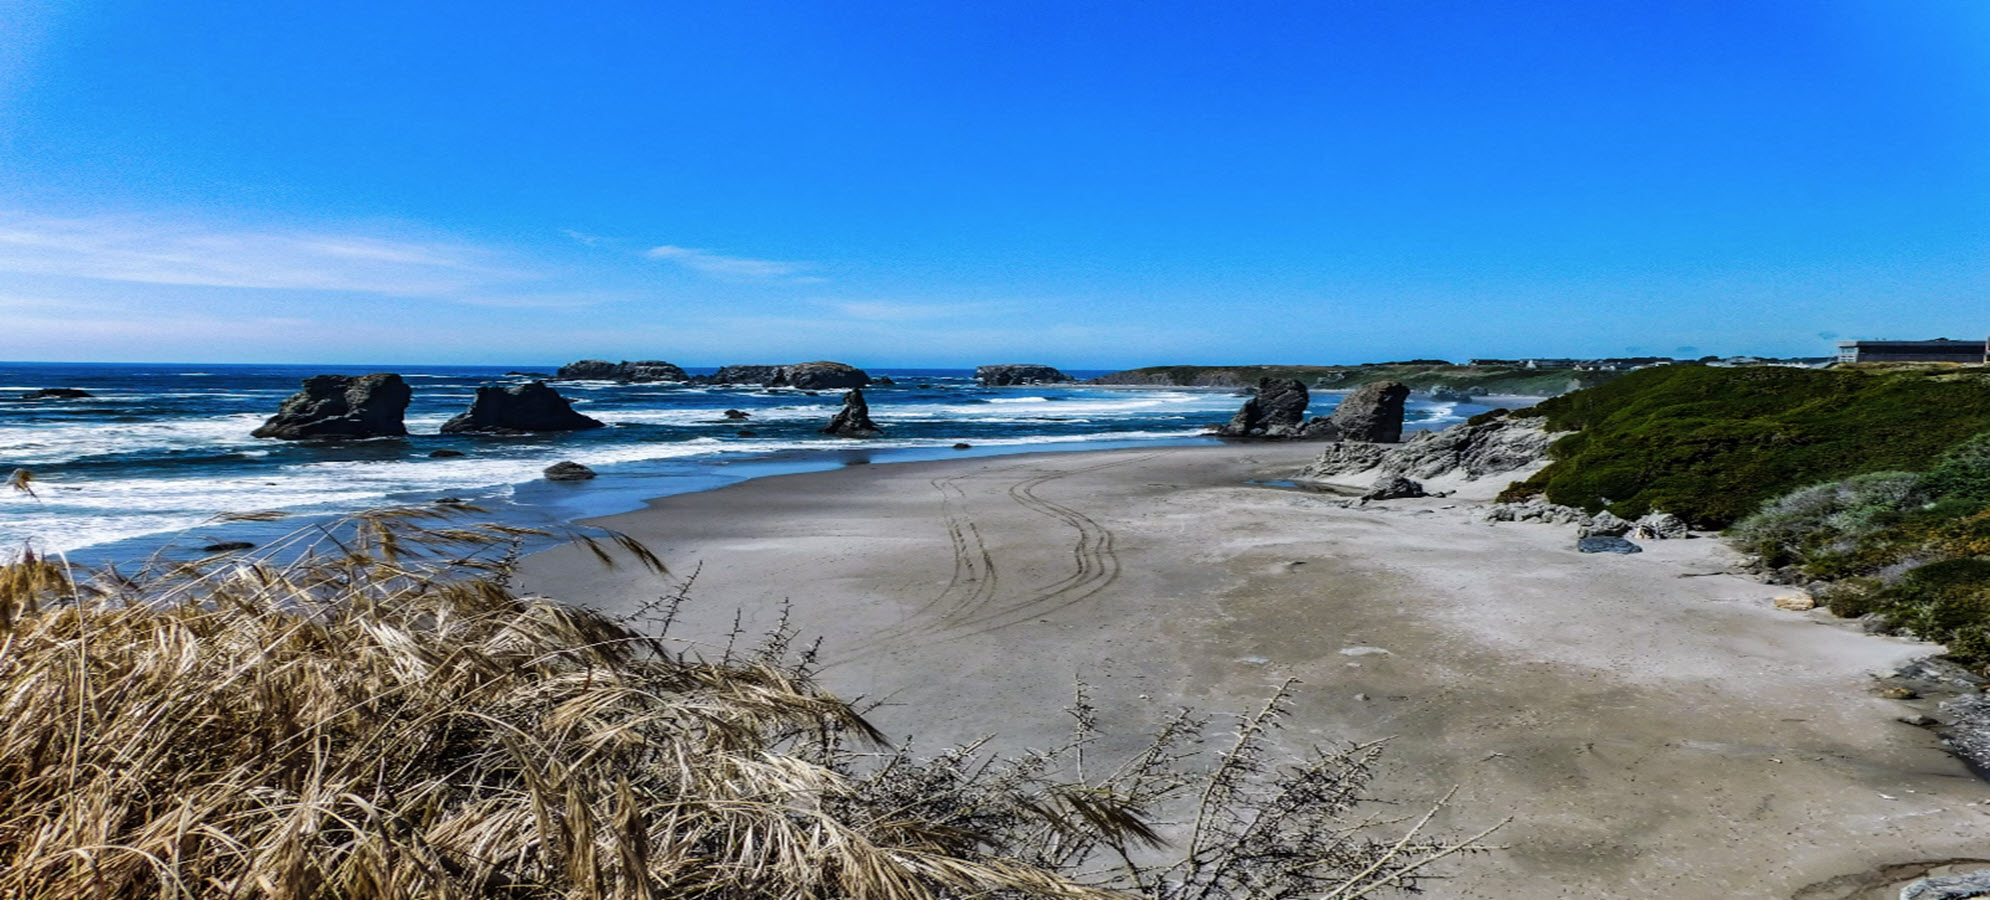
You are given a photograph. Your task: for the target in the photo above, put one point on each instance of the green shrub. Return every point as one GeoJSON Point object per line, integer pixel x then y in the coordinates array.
{"type": "Point", "coordinates": [1712, 444]}
{"type": "Point", "coordinates": [1963, 473]}
{"type": "Point", "coordinates": [1946, 601]}
{"type": "Point", "coordinates": [1835, 515]}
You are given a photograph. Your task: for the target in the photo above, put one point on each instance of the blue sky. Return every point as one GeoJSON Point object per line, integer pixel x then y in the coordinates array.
{"type": "Point", "coordinates": [1088, 185]}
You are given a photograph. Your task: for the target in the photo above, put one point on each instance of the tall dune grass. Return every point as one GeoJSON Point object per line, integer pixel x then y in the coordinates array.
{"type": "Point", "coordinates": [379, 715]}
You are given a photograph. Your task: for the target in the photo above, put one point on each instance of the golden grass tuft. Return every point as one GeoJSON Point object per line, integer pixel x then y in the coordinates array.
{"type": "Point", "coordinates": [381, 716]}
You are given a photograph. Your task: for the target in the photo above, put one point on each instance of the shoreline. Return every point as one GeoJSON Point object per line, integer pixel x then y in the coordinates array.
{"type": "Point", "coordinates": [1653, 733]}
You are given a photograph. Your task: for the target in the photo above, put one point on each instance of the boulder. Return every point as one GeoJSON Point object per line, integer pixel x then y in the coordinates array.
{"type": "Point", "coordinates": [342, 406]}
{"type": "Point", "coordinates": [963, 446]}
{"type": "Point", "coordinates": [737, 414]}
{"type": "Point", "coordinates": [854, 419]}
{"type": "Point", "coordinates": [1797, 602]}
{"type": "Point", "coordinates": [227, 547]}
{"type": "Point", "coordinates": [1606, 544]}
{"type": "Point", "coordinates": [1018, 373]}
{"type": "Point", "coordinates": [1497, 447]}
{"type": "Point", "coordinates": [1949, 887]}
{"type": "Point", "coordinates": [444, 454]}
{"type": "Point", "coordinates": [626, 372]}
{"type": "Point", "coordinates": [1394, 487]}
{"type": "Point", "coordinates": [1603, 524]}
{"type": "Point", "coordinates": [884, 381]}
{"type": "Point", "coordinates": [1661, 526]}
{"type": "Point", "coordinates": [1372, 412]}
{"type": "Point", "coordinates": [568, 470]}
{"type": "Point", "coordinates": [58, 394]}
{"type": "Point", "coordinates": [518, 409]}
{"type": "Point", "coordinates": [1277, 409]}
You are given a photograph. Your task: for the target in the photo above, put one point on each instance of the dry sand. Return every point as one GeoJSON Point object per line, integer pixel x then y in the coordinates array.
{"type": "Point", "coordinates": [1654, 726]}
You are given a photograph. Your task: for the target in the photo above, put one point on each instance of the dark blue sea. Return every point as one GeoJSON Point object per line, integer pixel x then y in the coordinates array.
{"type": "Point", "coordinates": [161, 453]}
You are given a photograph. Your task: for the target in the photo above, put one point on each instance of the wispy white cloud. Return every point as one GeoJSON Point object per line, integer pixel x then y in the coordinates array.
{"type": "Point", "coordinates": [734, 267]}
{"type": "Point", "coordinates": [153, 249]}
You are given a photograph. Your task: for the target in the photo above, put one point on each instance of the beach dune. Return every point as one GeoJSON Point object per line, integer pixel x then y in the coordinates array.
{"type": "Point", "coordinates": [1653, 724]}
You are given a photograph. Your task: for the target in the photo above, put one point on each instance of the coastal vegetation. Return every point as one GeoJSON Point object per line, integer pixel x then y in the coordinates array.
{"type": "Point", "coordinates": [371, 710]}
{"type": "Point", "coordinates": [1423, 375]}
{"type": "Point", "coordinates": [1711, 445]}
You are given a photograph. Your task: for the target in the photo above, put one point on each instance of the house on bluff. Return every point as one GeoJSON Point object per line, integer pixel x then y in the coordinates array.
{"type": "Point", "coordinates": [1937, 350]}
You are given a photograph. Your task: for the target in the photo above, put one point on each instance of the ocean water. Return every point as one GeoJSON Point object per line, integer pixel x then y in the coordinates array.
{"type": "Point", "coordinates": [161, 451]}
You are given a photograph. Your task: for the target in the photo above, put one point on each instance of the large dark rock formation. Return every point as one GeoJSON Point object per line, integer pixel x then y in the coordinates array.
{"type": "Point", "coordinates": [1277, 410]}
{"type": "Point", "coordinates": [854, 419]}
{"type": "Point", "coordinates": [342, 406]}
{"type": "Point", "coordinates": [821, 375]}
{"type": "Point", "coordinates": [625, 371]}
{"type": "Point", "coordinates": [58, 394]}
{"type": "Point", "coordinates": [518, 409]}
{"type": "Point", "coordinates": [1018, 373]}
{"type": "Point", "coordinates": [1372, 412]}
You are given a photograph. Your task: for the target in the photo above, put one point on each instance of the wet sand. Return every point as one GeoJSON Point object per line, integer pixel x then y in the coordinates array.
{"type": "Point", "coordinates": [1654, 726]}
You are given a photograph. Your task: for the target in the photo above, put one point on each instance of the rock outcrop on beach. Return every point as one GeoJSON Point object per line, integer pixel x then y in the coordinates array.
{"type": "Point", "coordinates": [854, 419]}
{"type": "Point", "coordinates": [821, 375]}
{"type": "Point", "coordinates": [568, 470]}
{"type": "Point", "coordinates": [1018, 373]}
{"type": "Point", "coordinates": [518, 409]}
{"type": "Point", "coordinates": [1372, 412]}
{"type": "Point", "coordinates": [1499, 446]}
{"type": "Point", "coordinates": [1276, 410]}
{"type": "Point", "coordinates": [58, 394]}
{"type": "Point", "coordinates": [1394, 487]}
{"type": "Point", "coordinates": [627, 372]}
{"type": "Point", "coordinates": [342, 406]}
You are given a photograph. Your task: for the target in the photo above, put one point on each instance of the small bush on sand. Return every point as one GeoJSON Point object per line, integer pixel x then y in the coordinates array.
{"type": "Point", "coordinates": [1835, 515]}
{"type": "Point", "coordinates": [381, 716]}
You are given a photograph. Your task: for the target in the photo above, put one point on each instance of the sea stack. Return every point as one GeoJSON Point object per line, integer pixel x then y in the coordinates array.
{"type": "Point", "coordinates": [518, 409]}
{"type": "Point", "coordinates": [626, 372]}
{"type": "Point", "coordinates": [342, 406]}
{"type": "Point", "coordinates": [854, 419]}
{"type": "Point", "coordinates": [1277, 410]}
{"type": "Point", "coordinates": [1372, 412]}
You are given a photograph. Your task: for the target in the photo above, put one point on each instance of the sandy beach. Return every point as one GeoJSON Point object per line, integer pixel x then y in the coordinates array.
{"type": "Point", "coordinates": [1655, 727]}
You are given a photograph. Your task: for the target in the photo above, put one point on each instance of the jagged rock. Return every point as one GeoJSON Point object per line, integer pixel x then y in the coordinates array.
{"type": "Point", "coordinates": [1534, 511]}
{"type": "Point", "coordinates": [1603, 524]}
{"type": "Point", "coordinates": [1372, 412]}
{"type": "Point", "coordinates": [518, 409]}
{"type": "Point", "coordinates": [854, 419]}
{"type": "Point", "coordinates": [1276, 410]}
{"type": "Point", "coordinates": [1606, 544]}
{"type": "Point", "coordinates": [1497, 447]}
{"type": "Point", "coordinates": [1949, 887]}
{"type": "Point", "coordinates": [883, 381]}
{"type": "Point", "coordinates": [342, 406]}
{"type": "Point", "coordinates": [1661, 526]}
{"type": "Point", "coordinates": [737, 414]}
{"type": "Point", "coordinates": [58, 394]}
{"type": "Point", "coordinates": [1018, 373]}
{"type": "Point", "coordinates": [1394, 487]}
{"type": "Point", "coordinates": [627, 372]}
{"type": "Point", "coordinates": [568, 470]}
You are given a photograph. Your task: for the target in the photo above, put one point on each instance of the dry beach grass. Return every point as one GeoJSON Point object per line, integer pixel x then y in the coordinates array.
{"type": "Point", "coordinates": [372, 711]}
